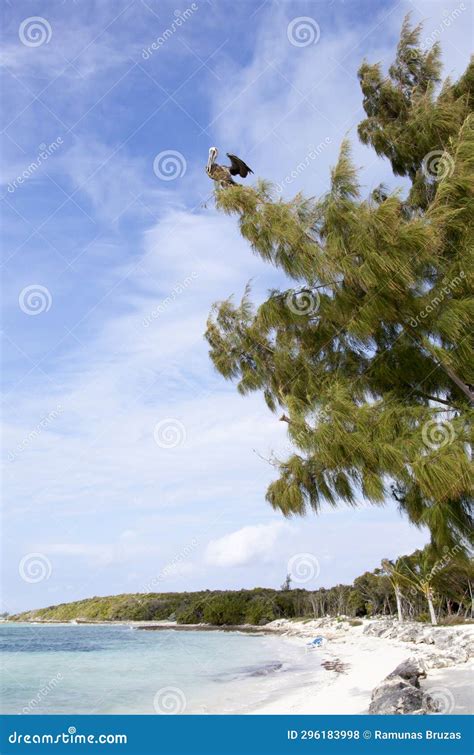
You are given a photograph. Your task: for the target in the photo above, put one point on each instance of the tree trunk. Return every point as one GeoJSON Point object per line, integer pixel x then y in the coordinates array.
{"type": "Point", "coordinates": [429, 598]}
{"type": "Point", "coordinates": [398, 597]}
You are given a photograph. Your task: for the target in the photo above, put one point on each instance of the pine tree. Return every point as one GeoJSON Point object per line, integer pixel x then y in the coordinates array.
{"type": "Point", "coordinates": [369, 354]}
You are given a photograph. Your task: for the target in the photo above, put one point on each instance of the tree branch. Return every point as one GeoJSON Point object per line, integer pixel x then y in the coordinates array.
{"type": "Point", "coordinates": [447, 369]}
{"type": "Point", "coordinates": [431, 398]}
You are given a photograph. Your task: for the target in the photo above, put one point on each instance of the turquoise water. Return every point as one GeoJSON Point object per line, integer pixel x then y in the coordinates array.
{"type": "Point", "coordinates": [49, 669]}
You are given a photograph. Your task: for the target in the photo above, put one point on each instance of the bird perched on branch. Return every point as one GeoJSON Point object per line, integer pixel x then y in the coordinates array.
{"type": "Point", "coordinates": [222, 174]}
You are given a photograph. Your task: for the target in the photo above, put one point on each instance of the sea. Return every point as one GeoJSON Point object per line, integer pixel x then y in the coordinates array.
{"type": "Point", "coordinates": [92, 669]}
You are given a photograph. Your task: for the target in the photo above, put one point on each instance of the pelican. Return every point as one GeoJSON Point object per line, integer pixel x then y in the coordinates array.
{"type": "Point", "coordinates": [222, 174]}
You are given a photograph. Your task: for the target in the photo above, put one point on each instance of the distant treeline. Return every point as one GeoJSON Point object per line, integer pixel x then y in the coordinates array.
{"type": "Point", "coordinates": [420, 581]}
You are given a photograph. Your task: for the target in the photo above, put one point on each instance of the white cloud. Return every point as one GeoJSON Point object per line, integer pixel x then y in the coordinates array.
{"type": "Point", "coordinates": [98, 466]}
{"type": "Point", "coordinates": [247, 545]}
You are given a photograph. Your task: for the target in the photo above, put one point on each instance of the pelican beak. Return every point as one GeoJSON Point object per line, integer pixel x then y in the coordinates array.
{"type": "Point", "coordinates": [212, 157]}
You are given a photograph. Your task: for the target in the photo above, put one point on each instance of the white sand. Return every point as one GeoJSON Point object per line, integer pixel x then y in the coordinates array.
{"type": "Point", "coordinates": [370, 660]}
{"type": "Point", "coordinates": [454, 685]}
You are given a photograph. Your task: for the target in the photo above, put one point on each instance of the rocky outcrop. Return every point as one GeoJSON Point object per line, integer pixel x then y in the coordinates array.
{"type": "Point", "coordinates": [450, 645]}
{"type": "Point", "coordinates": [396, 697]}
{"type": "Point", "coordinates": [411, 670]}
{"type": "Point", "coordinates": [400, 694]}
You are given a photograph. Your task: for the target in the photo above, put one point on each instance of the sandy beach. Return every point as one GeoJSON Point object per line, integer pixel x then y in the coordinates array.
{"type": "Point", "coordinates": [368, 660]}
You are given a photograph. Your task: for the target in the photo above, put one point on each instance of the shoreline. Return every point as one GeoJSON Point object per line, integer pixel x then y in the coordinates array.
{"type": "Point", "coordinates": [368, 659]}
{"type": "Point", "coordinates": [355, 659]}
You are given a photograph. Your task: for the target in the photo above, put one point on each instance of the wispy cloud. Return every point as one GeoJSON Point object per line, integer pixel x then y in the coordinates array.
{"type": "Point", "coordinates": [133, 264]}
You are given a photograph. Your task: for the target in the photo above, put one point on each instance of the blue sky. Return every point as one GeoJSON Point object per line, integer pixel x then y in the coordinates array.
{"type": "Point", "coordinates": [129, 464]}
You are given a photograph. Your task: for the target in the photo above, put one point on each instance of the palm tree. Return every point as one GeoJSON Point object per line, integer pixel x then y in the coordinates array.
{"type": "Point", "coordinates": [392, 569]}
{"type": "Point", "coordinates": [426, 568]}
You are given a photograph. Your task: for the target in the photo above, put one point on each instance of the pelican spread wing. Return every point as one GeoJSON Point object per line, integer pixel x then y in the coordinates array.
{"type": "Point", "coordinates": [238, 167]}
{"type": "Point", "coordinates": [222, 174]}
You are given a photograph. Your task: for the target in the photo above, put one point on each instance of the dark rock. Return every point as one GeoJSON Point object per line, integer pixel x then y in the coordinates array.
{"type": "Point", "coordinates": [396, 696]}
{"type": "Point", "coordinates": [410, 670]}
